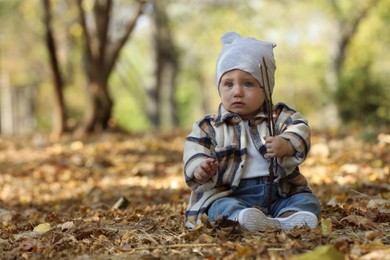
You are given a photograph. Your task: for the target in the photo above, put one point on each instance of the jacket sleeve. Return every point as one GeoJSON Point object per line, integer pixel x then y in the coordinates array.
{"type": "Point", "coordinates": [291, 126]}
{"type": "Point", "coordinates": [199, 145]}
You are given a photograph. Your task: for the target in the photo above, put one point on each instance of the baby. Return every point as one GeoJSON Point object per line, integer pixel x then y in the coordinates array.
{"type": "Point", "coordinates": [227, 155]}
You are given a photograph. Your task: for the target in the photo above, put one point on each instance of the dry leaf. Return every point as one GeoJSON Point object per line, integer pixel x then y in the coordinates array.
{"type": "Point", "coordinates": [327, 252]}
{"type": "Point", "coordinates": [378, 203]}
{"type": "Point", "coordinates": [5, 216]}
{"type": "Point", "coordinates": [66, 226]}
{"type": "Point", "coordinates": [373, 235]}
{"type": "Point", "coordinates": [243, 251]}
{"type": "Point", "coordinates": [326, 226]}
{"type": "Point", "coordinates": [42, 228]}
{"type": "Point", "coordinates": [72, 185]}
{"type": "Point", "coordinates": [205, 239]}
{"type": "Point", "coordinates": [359, 221]}
{"type": "Point", "coordinates": [377, 254]}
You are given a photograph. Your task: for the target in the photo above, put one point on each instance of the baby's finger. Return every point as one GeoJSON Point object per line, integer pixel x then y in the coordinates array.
{"type": "Point", "coordinates": [215, 165]}
{"type": "Point", "coordinates": [201, 176]}
{"type": "Point", "coordinates": [210, 161]}
{"type": "Point", "coordinates": [208, 169]}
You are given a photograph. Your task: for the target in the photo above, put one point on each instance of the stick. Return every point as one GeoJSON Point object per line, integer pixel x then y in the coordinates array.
{"type": "Point", "coordinates": [271, 129]}
{"type": "Point", "coordinates": [123, 249]}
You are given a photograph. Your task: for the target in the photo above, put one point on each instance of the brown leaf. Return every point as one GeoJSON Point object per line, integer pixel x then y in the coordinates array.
{"type": "Point", "coordinates": [376, 215]}
{"type": "Point", "coordinates": [5, 216]}
{"type": "Point", "coordinates": [205, 239]}
{"type": "Point", "coordinates": [52, 217]}
{"type": "Point", "coordinates": [377, 254]}
{"type": "Point", "coordinates": [27, 245]}
{"type": "Point", "coordinates": [359, 221]}
{"type": "Point", "coordinates": [72, 186]}
{"type": "Point", "coordinates": [373, 235]}
{"type": "Point", "coordinates": [342, 244]}
{"type": "Point", "coordinates": [66, 226]}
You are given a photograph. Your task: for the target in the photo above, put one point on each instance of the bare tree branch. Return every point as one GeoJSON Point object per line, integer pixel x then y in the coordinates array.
{"type": "Point", "coordinates": [102, 13]}
{"type": "Point", "coordinates": [121, 42]}
{"type": "Point", "coordinates": [87, 36]}
{"type": "Point", "coordinates": [59, 125]}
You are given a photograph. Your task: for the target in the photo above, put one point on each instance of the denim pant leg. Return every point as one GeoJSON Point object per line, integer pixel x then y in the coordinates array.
{"type": "Point", "coordinates": [296, 202]}
{"type": "Point", "coordinates": [228, 207]}
{"type": "Point", "coordinates": [250, 193]}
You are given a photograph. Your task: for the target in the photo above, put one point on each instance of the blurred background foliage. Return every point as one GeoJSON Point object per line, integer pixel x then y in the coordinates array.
{"type": "Point", "coordinates": [336, 76]}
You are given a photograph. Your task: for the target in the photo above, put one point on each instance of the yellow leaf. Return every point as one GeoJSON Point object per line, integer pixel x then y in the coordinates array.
{"type": "Point", "coordinates": [43, 228]}
{"type": "Point", "coordinates": [326, 226]}
{"type": "Point", "coordinates": [243, 251]}
{"type": "Point", "coordinates": [327, 252]}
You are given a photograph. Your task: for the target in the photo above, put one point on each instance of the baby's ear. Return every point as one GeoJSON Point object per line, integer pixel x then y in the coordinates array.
{"type": "Point", "coordinates": [229, 37]}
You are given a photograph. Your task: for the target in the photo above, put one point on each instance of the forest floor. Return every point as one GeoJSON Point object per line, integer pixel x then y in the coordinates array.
{"type": "Point", "coordinates": [60, 200]}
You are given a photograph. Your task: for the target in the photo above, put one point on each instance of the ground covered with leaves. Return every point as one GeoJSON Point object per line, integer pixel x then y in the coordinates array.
{"type": "Point", "coordinates": [120, 196]}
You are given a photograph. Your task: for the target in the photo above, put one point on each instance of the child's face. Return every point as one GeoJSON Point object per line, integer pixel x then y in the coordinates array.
{"type": "Point", "coordinates": [241, 93]}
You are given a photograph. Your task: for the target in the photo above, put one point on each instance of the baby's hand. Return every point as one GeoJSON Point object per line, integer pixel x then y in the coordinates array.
{"type": "Point", "coordinates": [278, 147]}
{"type": "Point", "coordinates": [205, 170]}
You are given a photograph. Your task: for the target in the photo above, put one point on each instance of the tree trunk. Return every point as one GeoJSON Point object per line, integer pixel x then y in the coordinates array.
{"type": "Point", "coordinates": [98, 111]}
{"type": "Point", "coordinates": [101, 54]}
{"type": "Point", "coordinates": [7, 106]}
{"type": "Point", "coordinates": [59, 111]}
{"type": "Point", "coordinates": [166, 69]}
{"type": "Point", "coordinates": [348, 26]}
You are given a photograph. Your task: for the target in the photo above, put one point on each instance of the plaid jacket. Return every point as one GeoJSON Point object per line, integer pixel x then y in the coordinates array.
{"type": "Point", "coordinates": [222, 137]}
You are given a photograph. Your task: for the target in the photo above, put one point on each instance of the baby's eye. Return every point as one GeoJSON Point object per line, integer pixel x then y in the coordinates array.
{"type": "Point", "coordinates": [228, 84]}
{"type": "Point", "coordinates": [248, 84]}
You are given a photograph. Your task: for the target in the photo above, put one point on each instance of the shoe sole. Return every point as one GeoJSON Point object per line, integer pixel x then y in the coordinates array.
{"type": "Point", "coordinates": [254, 220]}
{"type": "Point", "coordinates": [298, 219]}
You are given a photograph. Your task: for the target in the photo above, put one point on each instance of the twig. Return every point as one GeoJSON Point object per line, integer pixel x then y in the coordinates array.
{"type": "Point", "coordinates": [165, 247]}
{"type": "Point", "coordinates": [364, 195]}
{"type": "Point", "coordinates": [271, 129]}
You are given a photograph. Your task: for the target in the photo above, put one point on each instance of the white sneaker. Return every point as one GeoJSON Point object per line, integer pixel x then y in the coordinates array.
{"type": "Point", "coordinates": [298, 219]}
{"type": "Point", "coordinates": [254, 220]}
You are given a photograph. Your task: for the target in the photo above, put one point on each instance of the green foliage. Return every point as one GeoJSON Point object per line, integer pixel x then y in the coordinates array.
{"type": "Point", "coordinates": [363, 96]}
{"type": "Point", "coordinates": [7, 6]}
{"type": "Point", "coordinates": [303, 30]}
{"type": "Point", "coordinates": [362, 99]}
{"type": "Point", "coordinates": [129, 115]}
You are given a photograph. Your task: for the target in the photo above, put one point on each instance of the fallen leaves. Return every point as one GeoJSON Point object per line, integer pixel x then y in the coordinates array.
{"type": "Point", "coordinates": [125, 195]}
{"type": "Point", "coordinates": [359, 221]}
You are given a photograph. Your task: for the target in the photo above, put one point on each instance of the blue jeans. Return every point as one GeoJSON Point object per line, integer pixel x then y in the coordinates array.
{"type": "Point", "coordinates": [254, 192]}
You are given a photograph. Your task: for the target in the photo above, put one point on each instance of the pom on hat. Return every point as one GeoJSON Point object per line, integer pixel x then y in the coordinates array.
{"type": "Point", "coordinates": [229, 37]}
{"type": "Point", "coordinates": [246, 54]}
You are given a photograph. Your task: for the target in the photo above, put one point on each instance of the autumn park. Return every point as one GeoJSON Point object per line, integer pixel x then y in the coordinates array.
{"type": "Point", "coordinates": [97, 98]}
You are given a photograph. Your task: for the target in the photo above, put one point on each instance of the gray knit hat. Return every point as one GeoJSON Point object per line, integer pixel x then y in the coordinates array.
{"type": "Point", "coordinates": [246, 54]}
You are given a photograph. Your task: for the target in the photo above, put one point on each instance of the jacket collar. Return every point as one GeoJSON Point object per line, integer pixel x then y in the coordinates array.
{"type": "Point", "coordinates": [226, 116]}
